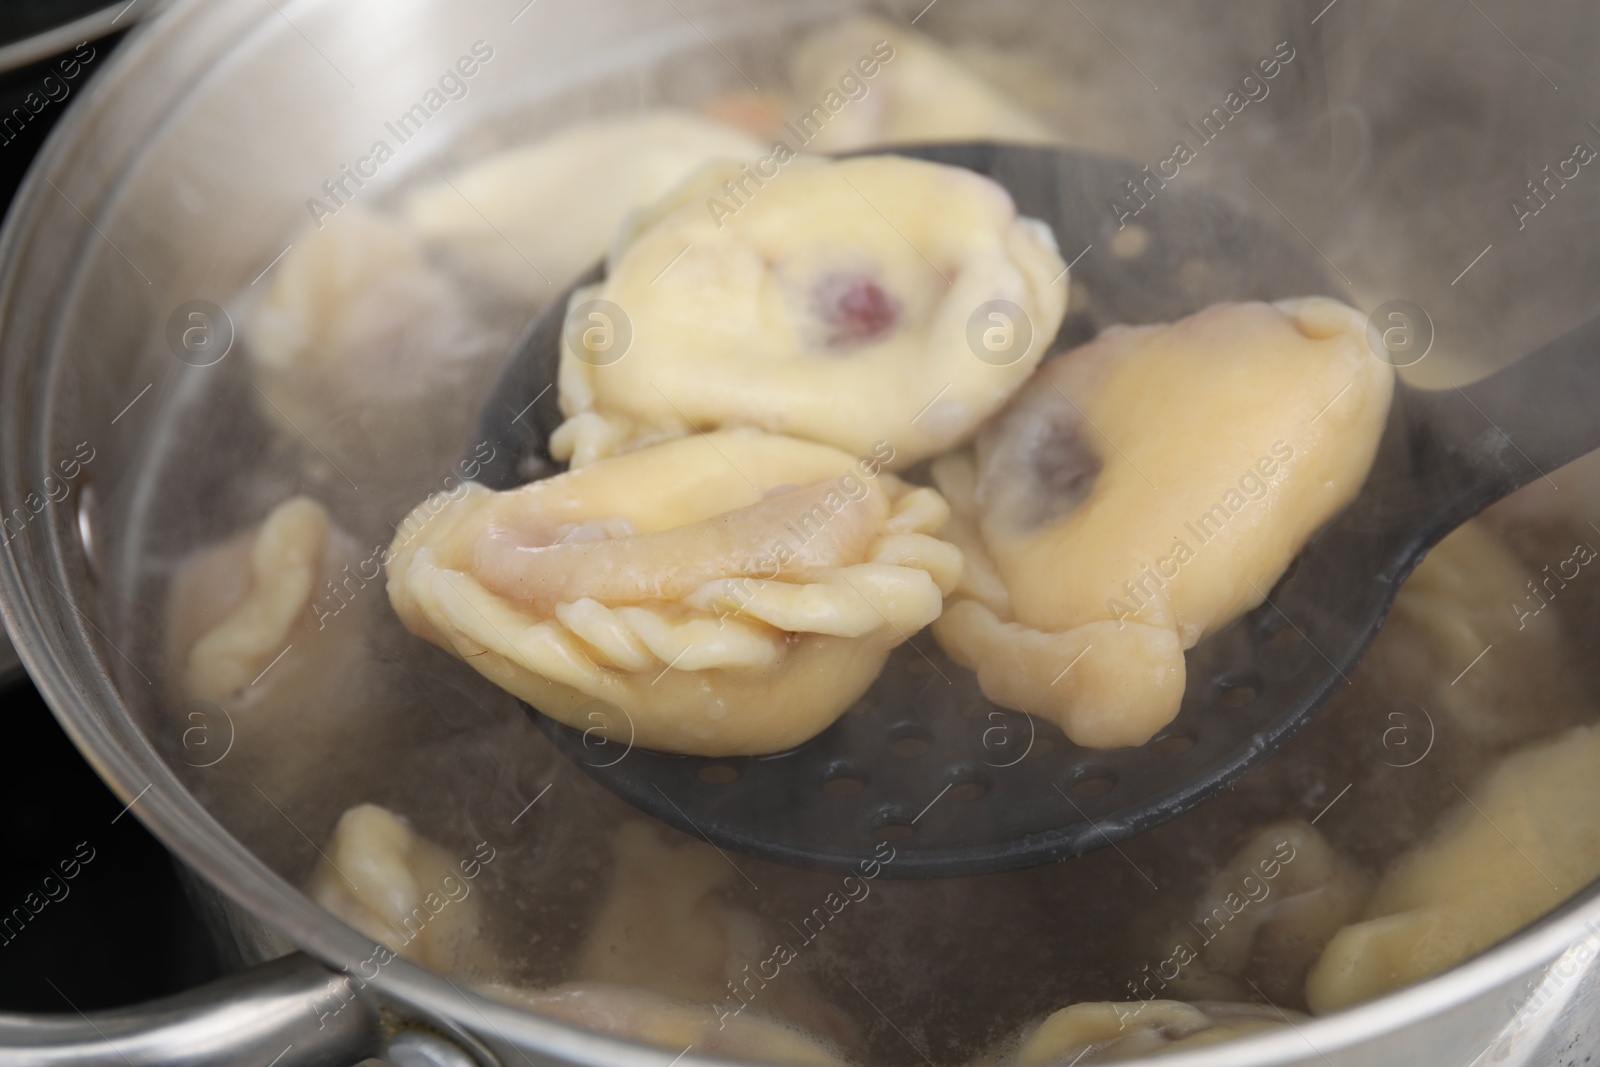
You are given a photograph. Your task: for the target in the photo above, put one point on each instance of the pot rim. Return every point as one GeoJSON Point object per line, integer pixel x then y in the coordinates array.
{"type": "Point", "coordinates": [44, 625]}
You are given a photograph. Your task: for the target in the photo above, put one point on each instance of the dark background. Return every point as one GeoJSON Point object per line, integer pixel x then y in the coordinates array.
{"type": "Point", "coordinates": [124, 932]}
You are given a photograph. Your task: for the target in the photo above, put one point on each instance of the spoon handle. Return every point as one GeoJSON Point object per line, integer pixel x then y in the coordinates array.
{"type": "Point", "coordinates": [1473, 445]}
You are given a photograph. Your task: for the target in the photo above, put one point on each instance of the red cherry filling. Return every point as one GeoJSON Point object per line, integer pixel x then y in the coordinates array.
{"type": "Point", "coordinates": [853, 309]}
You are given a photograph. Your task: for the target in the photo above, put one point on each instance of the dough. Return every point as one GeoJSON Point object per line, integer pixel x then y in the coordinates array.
{"type": "Point", "coordinates": [1145, 490]}
{"type": "Point", "coordinates": [1468, 594]}
{"type": "Point", "coordinates": [404, 891]}
{"type": "Point", "coordinates": [921, 94]}
{"type": "Point", "coordinates": [1528, 839]}
{"type": "Point", "coordinates": [1104, 1032]}
{"type": "Point", "coordinates": [1268, 913]}
{"type": "Point", "coordinates": [354, 343]}
{"type": "Point", "coordinates": [835, 304]}
{"type": "Point", "coordinates": [730, 593]}
{"type": "Point", "coordinates": [667, 926]}
{"type": "Point", "coordinates": [641, 1015]}
{"type": "Point", "coordinates": [267, 627]}
{"type": "Point", "coordinates": [557, 203]}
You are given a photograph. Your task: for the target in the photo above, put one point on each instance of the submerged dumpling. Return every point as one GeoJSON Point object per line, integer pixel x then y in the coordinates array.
{"type": "Point", "coordinates": [356, 340]}
{"type": "Point", "coordinates": [1143, 491]}
{"type": "Point", "coordinates": [1107, 1031]}
{"type": "Point", "coordinates": [868, 300]}
{"type": "Point", "coordinates": [1270, 910]}
{"type": "Point", "coordinates": [403, 891]}
{"type": "Point", "coordinates": [730, 593]}
{"type": "Point", "coordinates": [1527, 839]}
{"type": "Point", "coordinates": [668, 925]}
{"type": "Point", "coordinates": [673, 1024]}
{"type": "Point", "coordinates": [918, 92]}
{"type": "Point", "coordinates": [266, 627]}
{"type": "Point", "coordinates": [552, 207]}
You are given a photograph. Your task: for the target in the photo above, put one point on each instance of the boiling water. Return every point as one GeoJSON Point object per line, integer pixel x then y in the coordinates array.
{"type": "Point", "coordinates": [1385, 142]}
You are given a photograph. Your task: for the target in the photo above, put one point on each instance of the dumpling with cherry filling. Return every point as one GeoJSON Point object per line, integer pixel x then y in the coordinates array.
{"type": "Point", "coordinates": [725, 594]}
{"type": "Point", "coordinates": [1143, 491]}
{"type": "Point", "coordinates": [835, 302]}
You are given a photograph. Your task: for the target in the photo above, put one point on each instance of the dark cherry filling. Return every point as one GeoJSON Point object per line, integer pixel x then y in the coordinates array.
{"type": "Point", "coordinates": [853, 309]}
{"type": "Point", "coordinates": [1064, 466]}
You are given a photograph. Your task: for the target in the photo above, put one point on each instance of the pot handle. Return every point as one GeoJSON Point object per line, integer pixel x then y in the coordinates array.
{"type": "Point", "coordinates": [291, 1012]}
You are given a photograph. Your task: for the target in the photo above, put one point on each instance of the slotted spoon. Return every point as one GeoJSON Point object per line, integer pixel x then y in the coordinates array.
{"type": "Point", "coordinates": [960, 786]}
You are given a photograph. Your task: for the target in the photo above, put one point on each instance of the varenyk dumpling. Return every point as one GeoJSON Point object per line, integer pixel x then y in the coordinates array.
{"type": "Point", "coordinates": [1145, 490]}
{"type": "Point", "coordinates": [266, 627]}
{"type": "Point", "coordinates": [729, 593]}
{"type": "Point", "coordinates": [834, 301]}
{"type": "Point", "coordinates": [405, 892]}
{"type": "Point", "coordinates": [531, 219]}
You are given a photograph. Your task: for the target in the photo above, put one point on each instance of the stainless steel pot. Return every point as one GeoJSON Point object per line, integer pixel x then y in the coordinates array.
{"type": "Point", "coordinates": [187, 166]}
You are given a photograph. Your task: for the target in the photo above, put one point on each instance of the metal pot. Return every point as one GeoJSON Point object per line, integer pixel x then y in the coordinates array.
{"type": "Point", "coordinates": [188, 166]}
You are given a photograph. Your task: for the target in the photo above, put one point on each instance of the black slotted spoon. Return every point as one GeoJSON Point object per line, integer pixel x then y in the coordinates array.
{"type": "Point", "coordinates": [963, 787]}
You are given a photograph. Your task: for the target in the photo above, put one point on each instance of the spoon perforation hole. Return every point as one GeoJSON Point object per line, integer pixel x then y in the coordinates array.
{"type": "Point", "coordinates": [967, 783]}
{"type": "Point", "coordinates": [1234, 695]}
{"type": "Point", "coordinates": [1093, 783]}
{"type": "Point", "coordinates": [844, 780]}
{"type": "Point", "coordinates": [1175, 745]}
{"type": "Point", "coordinates": [910, 741]}
{"type": "Point", "coordinates": [892, 824]}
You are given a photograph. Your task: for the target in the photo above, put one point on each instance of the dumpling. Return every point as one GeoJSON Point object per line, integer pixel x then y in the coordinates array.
{"type": "Point", "coordinates": [354, 343]}
{"type": "Point", "coordinates": [671, 1023]}
{"type": "Point", "coordinates": [849, 303]}
{"type": "Point", "coordinates": [730, 593]}
{"type": "Point", "coordinates": [1103, 1032]}
{"type": "Point", "coordinates": [1143, 491]}
{"type": "Point", "coordinates": [1268, 913]}
{"type": "Point", "coordinates": [530, 220]}
{"type": "Point", "coordinates": [920, 93]}
{"type": "Point", "coordinates": [266, 626]}
{"type": "Point", "coordinates": [1527, 838]}
{"type": "Point", "coordinates": [405, 892]}
{"type": "Point", "coordinates": [667, 925]}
